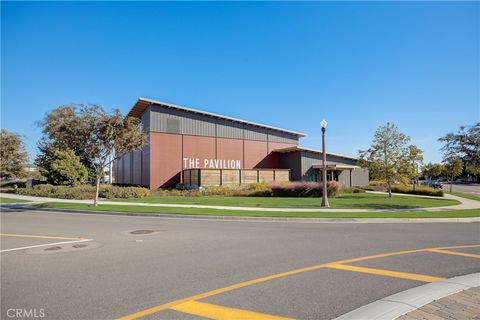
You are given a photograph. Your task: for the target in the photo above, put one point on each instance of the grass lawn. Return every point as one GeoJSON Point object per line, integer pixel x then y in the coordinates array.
{"type": "Point", "coordinates": [10, 200]}
{"type": "Point", "coordinates": [346, 201]}
{"type": "Point", "coordinates": [217, 212]}
{"type": "Point", "coordinates": [466, 195]}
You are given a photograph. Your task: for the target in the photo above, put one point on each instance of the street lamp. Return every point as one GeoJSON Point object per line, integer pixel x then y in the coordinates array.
{"type": "Point", "coordinates": [325, 204]}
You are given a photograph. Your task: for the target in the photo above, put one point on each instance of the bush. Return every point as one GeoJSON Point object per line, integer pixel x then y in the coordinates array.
{"type": "Point", "coordinates": [374, 188]}
{"type": "Point", "coordinates": [352, 190]}
{"type": "Point", "coordinates": [248, 190]}
{"type": "Point", "coordinates": [303, 189]}
{"type": "Point", "coordinates": [424, 191]}
{"type": "Point", "coordinates": [377, 183]}
{"type": "Point", "coordinates": [123, 192]}
{"type": "Point", "coordinates": [83, 192]}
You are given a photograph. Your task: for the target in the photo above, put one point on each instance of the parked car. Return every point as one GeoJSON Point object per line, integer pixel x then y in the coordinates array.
{"type": "Point", "coordinates": [433, 184]}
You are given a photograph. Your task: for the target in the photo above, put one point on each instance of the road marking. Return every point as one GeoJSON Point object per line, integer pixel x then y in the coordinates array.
{"type": "Point", "coordinates": [387, 273]}
{"type": "Point", "coordinates": [171, 304]}
{"type": "Point", "coordinates": [456, 253]}
{"type": "Point", "coordinates": [44, 245]}
{"type": "Point", "coordinates": [38, 236]}
{"type": "Point", "coordinates": [212, 311]}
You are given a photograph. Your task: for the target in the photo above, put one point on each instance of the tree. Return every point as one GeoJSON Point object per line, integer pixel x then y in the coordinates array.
{"type": "Point", "coordinates": [63, 129]}
{"type": "Point", "coordinates": [414, 160]}
{"type": "Point", "coordinates": [387, 155]}
{"type": "Point", "coordinates": [453, 167]}
{"type": "Point", "coordinates": [13, 156]}
{"type": "Point", "coordinates": [433, 170]}
{"type": "Point", "coordinates": [67, 169]}
{"type": "Point", "coordinates": [465, 144]}
{"type": "Point", "coordinates": [98, 138]}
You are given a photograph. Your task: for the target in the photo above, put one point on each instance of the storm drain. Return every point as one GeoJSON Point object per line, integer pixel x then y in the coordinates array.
{"type": "Point", "coordinates": [77, 246]}
{"type": "Point", "coordinates": [53, 248]}
{"type": "Point", "coordinates": [139, 232]}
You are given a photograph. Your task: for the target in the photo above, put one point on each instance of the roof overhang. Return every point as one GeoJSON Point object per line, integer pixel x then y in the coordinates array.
{"type": "Point", "coordinates": [337, 167]}
{"type": "Point", "coordinates": [143, 103]}
{"type": "Point", "coordinates": [300, 149]}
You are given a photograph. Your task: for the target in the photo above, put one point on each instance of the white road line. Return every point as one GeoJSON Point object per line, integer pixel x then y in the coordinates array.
{"type": "Point", "coordinates": [44, 245]}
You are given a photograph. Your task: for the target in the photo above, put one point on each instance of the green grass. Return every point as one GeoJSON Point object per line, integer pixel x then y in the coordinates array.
{"type": "Point", "coordinates": [466, 195]}
{"type": "Point", "coordinates": [346, 201]}
{"type": "Point", "coordinates": [10, 200]}
{"type": "Point", "coordinates": [218, 212]}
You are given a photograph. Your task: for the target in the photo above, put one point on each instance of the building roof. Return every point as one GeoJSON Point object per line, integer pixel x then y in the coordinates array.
{"type": "Point", "coordinates": [299, 149]}
{"type": "Point", "coordinates": [142, 104]}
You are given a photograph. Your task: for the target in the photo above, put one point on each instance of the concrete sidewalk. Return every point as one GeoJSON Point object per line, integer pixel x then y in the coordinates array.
{"type": "Point", "coordinates": [455, 298]}
{"type": "Point", "coordinates": [465, 204]}
{"type": "Point", "coordinates": [461, 305]}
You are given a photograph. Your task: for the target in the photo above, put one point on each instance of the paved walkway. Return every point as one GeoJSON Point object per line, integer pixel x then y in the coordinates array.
{"type": "Point", "coordinates": [465, 204]}
{"type": "Point", "coordinates": [462, 305]}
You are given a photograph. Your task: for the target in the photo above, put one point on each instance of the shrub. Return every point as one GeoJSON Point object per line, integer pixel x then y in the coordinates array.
{"type": "Point", "coordinates": [303, 189]}
{"type": "Point", "coordinates": [83, 192]}
{"type": "Point", "coordinates": [67, 169]}
{"type": "Point", "coordinates": [424, 191]}
{"type": "Point", "coordinates": [352, 190]}
{"type": "Point", "coordinates": [248, 190]}
{"type": "Point", "coordinates": [377, 183]}
{"type": "Point", "coordinates": [123, 192]}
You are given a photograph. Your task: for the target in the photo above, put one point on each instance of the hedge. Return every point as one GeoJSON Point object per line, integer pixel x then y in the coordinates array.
{"type": "Point", "coordinates": [83, 192]}
{"type": "Point", "coordinates": [420, 190]}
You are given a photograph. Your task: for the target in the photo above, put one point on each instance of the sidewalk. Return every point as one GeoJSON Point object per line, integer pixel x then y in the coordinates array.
{"type": "Point", "coordinates": [464, 204]}
{"type": "Point", "coordinates": [451, 299]}
{"type": "Point", "coordinates": [462, 305]}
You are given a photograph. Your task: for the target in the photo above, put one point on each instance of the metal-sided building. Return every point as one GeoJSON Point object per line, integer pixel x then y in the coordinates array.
{"type": "Point", "coordinates": [198, 148]}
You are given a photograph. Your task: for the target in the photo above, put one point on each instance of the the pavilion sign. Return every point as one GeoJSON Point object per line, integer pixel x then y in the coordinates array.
{"type": "Point", "coordinates": [197, 163]}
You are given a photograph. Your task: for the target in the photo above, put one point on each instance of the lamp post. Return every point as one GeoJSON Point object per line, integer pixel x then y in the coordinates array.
{"type": "Point", "coordinates": [325, 204]}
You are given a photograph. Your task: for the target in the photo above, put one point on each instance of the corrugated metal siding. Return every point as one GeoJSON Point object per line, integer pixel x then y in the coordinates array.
{"type": "Point", "coordinates": [255, 133]}
{"type": "Point", "coordinates": [190, 124]}
{"type": "Point", "coordinates": [276, 136]}
{"type": "Point", "coordinates": [309, 159]}
{"type": "Point", "coordinates": [201, 125]}
{"type": "Point", "coordinates": [229, 129]}
{"type": "Point", "coordinates": [137, 167]}
{"type": "Point", "coordinates": [146, 165]}
{"type": "Point", "coordinates": [145, 119]}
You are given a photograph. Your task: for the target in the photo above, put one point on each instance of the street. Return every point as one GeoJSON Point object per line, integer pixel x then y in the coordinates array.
{"type": "Point", "coordinates": [96, 268]}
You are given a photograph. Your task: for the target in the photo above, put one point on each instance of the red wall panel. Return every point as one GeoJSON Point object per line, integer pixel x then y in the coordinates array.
{"type": "Point", "coordinates": [198, 147]}
{"type": "Point", "coordinates": [230, 149]}
{"type": "Point", "coordinates": [255, 152]}
{"type": "Point", "coordinates": [165, 159]}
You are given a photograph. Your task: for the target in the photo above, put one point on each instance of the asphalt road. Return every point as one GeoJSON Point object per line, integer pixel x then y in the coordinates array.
{"type": "Point", "coordinates": [472, 188]}
{"type": "Point", "coordinates": [116, 273]}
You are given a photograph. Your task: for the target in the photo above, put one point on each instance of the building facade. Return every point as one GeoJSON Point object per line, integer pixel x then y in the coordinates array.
{"type": "Point", "coordinates": [200, 148]}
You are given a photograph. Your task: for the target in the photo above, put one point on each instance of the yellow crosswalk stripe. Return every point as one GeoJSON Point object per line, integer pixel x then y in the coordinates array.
{"type": "Point", "coordinates": [456, 253]}
{"type": "Point", "coordinates": [212, 311]}
{"type": "Point", "coordinates": [388, 273]}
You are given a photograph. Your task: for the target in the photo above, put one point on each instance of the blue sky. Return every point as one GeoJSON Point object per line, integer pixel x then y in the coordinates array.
{"type": "Point", "coordinates": [285, 64]}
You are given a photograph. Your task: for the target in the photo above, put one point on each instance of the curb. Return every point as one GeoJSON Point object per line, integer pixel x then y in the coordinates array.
{"type": "Point", "coordinates": [259, 219]}
{"type": "Point", "coordinates": [396, 305]}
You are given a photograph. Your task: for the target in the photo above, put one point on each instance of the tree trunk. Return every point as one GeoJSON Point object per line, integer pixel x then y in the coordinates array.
{"type": "Point", "coordinates": [451, 183]}
{"type": "Point", "coordinates": [389, 184]}
{"type": "Point", "coordinates": [97, 190]}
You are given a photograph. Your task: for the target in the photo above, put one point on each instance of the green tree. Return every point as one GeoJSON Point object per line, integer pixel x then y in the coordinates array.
{"type": "Point", "coordinates": [413, 162]}
{"type": "Point", "coordinates": [67, 169]}
{"type": "Point", "coordinates": [433, 170]}
{"type": "Point", "coordinates": [387, 155]}
{"type": "Point", "coordinates": [453, 167]}
{"type": "Point", "coordinates": [97, 137]}
{"type": "Point", "coordinates": [13, 156]}
{"type": "Point", "coordinates": [465, 144]}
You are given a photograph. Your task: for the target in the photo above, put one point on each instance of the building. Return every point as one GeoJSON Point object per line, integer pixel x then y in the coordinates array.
{"type": "Point", "coordinates": [200, 148]}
